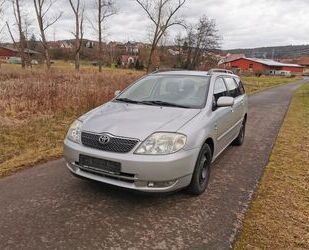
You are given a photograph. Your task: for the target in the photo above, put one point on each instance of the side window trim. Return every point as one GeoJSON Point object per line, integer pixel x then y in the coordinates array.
{"type": "Point", "coordinates": [228, 91]}
{"type": "Point", "coordinates": [214, 97]}
{"type": "Point", "coordinates": [238, 92]}
{"type": "Point", "coordinates": [240, 85]}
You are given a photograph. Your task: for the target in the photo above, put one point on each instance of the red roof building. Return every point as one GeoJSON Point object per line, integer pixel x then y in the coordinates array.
{"type": "Point", "coordinates": [6, 52]}
{"type": "Point", "coordinates": [261, 65]}
{"type": "Point", "coordinates": [231, 57]}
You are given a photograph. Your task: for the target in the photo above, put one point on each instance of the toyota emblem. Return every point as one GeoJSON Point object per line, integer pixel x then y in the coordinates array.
{"type": "Point", "coordinates": [104, 139]}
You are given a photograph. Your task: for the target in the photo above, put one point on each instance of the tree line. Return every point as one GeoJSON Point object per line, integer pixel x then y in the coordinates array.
{"type": "Point", "coordinates": [163, 15]}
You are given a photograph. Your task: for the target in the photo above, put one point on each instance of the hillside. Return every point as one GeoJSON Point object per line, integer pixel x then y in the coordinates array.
{"type": "Point", "coordinates": [274, 52]}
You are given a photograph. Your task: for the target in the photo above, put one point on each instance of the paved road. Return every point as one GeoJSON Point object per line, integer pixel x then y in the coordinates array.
{"type": "Point", "coordinates": [45, 207]}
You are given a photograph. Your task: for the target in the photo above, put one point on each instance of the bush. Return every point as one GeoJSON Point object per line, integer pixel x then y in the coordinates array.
{"type": "Point", "coordinates": [259, 73]}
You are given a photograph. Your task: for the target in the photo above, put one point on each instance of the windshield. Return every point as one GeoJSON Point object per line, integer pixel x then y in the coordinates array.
{"type": "Point", "coordinates": [163, 90]}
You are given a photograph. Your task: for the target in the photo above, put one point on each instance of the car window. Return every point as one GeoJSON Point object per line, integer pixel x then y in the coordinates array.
{"type": "Point", "coordinates": [144, 90]}
{"type": "Point", "coordinates": [232, 87]}
{"type": "Point", "coordinates": [184, 90]}
{"type": "Point", "coordinates": [219, 89]}
{"type": "Point", "coordinates": [240, 86]}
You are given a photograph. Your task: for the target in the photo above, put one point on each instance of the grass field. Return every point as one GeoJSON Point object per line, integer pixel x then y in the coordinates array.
{"type": "Point", "coordinates": [36, 107]}
{"type": "Point", "coordinates": [255, 84]}
{"type": "Point", "coordinates": [279, 215]}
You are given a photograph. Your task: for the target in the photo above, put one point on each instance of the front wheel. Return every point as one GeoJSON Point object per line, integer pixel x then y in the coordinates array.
{"type": "Point", "coordinates": [201, 173]}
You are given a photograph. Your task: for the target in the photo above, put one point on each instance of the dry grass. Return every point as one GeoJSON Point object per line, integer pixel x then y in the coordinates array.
{"type": "Point", "coordinates": [279, 216]}
{"type": "Point", "coordinates": [37, 107]}
{"type": "Point", "coordinates": [255, 84]}
{"type": "Point", "coordinates": [33, 92]}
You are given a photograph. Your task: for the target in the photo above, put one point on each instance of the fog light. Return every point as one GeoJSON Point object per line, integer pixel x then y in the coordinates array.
{"type": "Point", "coordinates": [74, 167]}
{"type": "Point", "coordinates": [161, 184]}
{"type": "Point", "coordinates": [151, 184]}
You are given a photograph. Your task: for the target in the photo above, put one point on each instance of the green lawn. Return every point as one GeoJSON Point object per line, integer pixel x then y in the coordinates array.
{"type": "Point", "coordinates": [279, 216]}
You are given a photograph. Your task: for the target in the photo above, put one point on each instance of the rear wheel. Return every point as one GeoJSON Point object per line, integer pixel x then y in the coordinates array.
{"type": "Point", "coordinates": [201, 173]}
{"type": "Point", "coordinates": [241, 136]}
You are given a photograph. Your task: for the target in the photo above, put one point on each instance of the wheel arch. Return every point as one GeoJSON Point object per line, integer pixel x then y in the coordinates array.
{"type": "Point", "coordinates": [210, 142]}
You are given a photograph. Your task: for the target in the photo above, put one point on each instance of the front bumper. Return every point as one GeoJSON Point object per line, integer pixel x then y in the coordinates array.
{"type": "Point", "coordinates": [145, 173]}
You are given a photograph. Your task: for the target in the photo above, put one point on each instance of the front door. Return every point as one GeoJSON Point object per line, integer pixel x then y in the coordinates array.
{"type": "Point", "coordinates": [223, 117]}
{"type": "Point", "coordinates": [239, 105]}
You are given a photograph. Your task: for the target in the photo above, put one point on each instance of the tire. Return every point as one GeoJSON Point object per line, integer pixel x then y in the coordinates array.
{"type": "Point", "coordinates": [201, 174]}
{"type": "Point", "coordinates": [241, 136]}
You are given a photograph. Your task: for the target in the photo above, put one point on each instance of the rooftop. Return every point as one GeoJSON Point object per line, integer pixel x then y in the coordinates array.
{"type": "Point", "coordinates": [16, 50]}
{"type": "Point", "coordinates": [270, 62]}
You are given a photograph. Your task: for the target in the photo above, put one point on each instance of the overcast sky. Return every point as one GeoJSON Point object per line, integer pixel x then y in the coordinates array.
{"type": "Point", "coordinates": [241, 23]}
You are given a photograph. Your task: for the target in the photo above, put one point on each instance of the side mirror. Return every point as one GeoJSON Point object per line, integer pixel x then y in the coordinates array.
{"type": "Point", "coordinates": [225, 101]}
{"type": "Point", "coordinates": [117, 93]}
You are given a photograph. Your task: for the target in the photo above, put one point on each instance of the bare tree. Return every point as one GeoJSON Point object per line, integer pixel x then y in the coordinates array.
{"type": "Point", "coordinates": [1, 27]}
{"type": "Point", "coordinates": [79, 22]}
{"type": "Point", "coordinates": [42, 8]}
{"type": "Point", "coordinates": [105, 9]}
{"type": "Point", "coordinates": [200, 39]}
{"type": "Point", "coordinates": [1, 7]}
{"type": "Point", "coordinates": [162, 14]}
{"type": "Point", "coordinates": [19, 23]}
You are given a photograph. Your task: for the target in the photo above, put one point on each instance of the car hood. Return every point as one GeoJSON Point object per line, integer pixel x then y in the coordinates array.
{"type": "Point", "coordinates": [134, 120]}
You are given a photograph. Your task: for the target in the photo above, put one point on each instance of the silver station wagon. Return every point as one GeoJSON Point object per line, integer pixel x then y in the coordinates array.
{"type": "Point", "coordinates": [161, 133]}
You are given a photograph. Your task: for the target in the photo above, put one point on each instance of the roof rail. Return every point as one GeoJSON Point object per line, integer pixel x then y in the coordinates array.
{"type": "Point", "coordinates": [220, 71]}
{"type": "Point", "coordinates": [166, 70]}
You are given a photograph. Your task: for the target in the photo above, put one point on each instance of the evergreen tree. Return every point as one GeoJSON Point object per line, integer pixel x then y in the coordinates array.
{"type": "Point", "coordinates": [119, 63]}
{"type": "Point", "coordinates": [137, 65]}
{"type": "Point", "coordinates": [32, 42]}
{"type": "Point", "coordinates": [141, 65]}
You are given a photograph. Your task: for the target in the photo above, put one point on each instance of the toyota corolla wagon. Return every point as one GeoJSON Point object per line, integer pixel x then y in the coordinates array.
{"type": "Point", "coordinates": [161, 133]}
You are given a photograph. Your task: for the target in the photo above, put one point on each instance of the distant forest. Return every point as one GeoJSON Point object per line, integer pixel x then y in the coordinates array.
{"type": "Point", "coordinates": [274, 52]}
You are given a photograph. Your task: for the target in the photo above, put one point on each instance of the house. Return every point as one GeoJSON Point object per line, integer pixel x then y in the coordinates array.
{"type": "Point", "coordinates": [128, 60]}
{"type": "Point", "coordinates": [7, 52]}
{"type": "Point", "coordinates": [132, 48]}
{"type": "Point", "coordinates": [89, 44]}
{"type": "Point", "coordinates": [60, 45]}
{"type": "Point", "coordinates": [117, 46]}
{"type": "Point", "coordinates": [173, 52]}
{"type": "Point", "coordinates": [266, 66]}
{"type": "Point", "coordinates": [230, 57]}
{"type": "Point", "coordinates": [304, 61]}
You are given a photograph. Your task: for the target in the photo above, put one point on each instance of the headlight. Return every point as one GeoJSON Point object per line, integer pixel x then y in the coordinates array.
{"type": "Point", "coordinates": [162, 144]}
{"type": "Point", "coordinates": [74, 133]}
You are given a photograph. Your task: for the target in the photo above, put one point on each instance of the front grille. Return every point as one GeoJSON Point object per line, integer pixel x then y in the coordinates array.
{"type": "Point", "coordinates": [116, 144]}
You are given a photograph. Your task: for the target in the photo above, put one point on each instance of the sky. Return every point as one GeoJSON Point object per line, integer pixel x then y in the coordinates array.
{"type": "Point", "coordinates": [241, 23]}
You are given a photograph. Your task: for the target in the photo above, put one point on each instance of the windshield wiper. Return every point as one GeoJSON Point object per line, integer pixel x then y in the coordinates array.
{"type": "Point", "coordinates": [162, 103]}
{"type": "Point", "coordinates": [126, 100]}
